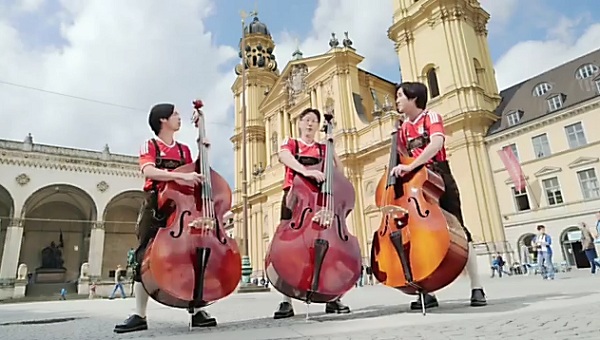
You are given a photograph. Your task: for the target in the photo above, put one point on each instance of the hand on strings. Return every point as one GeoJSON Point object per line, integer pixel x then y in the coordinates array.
{"type": "Point", "coordinates": [317, 175]}
{"type": "Point", "coordinates": [190, 179]}
{"type": "Point", "coordinates": [400, 170]}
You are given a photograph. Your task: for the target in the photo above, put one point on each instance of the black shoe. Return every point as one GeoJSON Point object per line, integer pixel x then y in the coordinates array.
{"type": "Point", "coordinates": [203, 319]}
{"type": "Point", "coordinates": [336, 307]}
{"type": "Point", "coordinates": [133, 324]}
{"type": "Point", "coordinates": [286, 310]}
{"type": "Point", "coordinates": [430, 302]}
{"type": "Point", "coordinates": [478, 298]}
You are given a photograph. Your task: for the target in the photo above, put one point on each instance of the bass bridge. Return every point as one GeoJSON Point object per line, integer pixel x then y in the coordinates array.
{"type": "Point", "coordinates": [324, 218]}
{"type": "Point", "coordinates": [203, 224]}
{"type": "Point", "coordinates": [398, 214]}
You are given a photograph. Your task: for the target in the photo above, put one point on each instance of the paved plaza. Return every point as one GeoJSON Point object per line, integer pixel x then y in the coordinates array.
{"type": "Point", "coordinates": [520, 307]}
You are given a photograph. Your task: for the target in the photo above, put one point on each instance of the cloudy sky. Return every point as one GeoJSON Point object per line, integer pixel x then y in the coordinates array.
{"type": "Point", "coordinates": [83, 73]}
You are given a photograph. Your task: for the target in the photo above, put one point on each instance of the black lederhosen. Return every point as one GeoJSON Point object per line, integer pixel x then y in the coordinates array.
{"type": "Point", "coordinates": [450, 200]}
{"type": "Point", "coordinates": [149, 218]}
{"type": "Point", "coordinates": [286, 213]}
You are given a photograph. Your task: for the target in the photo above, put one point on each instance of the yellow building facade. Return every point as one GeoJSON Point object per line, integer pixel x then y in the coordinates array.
{"type": "Point", "coordinates": [548, 122]}
{"type": "Point", "coordinates": [462, 87]}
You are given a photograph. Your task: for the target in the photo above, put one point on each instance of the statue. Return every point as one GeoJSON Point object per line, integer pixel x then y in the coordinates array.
{"type": "Point", "coordinates": [52, 257]}
{"type": "Point", "coordinates": [131, 258]}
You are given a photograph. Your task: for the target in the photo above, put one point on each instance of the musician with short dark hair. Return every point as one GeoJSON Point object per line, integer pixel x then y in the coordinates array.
{"type": "Point", "coordinates": [295, 154]}
{"type": "Point", "coordinates": [422, 134]}
{"type": "Point", "coordinates": [158, 157]}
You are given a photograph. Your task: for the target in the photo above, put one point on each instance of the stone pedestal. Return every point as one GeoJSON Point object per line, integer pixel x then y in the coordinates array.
{"type": "Point", "coordinates": [20, 288]}
{"type": "Point", "coordinates": [7, 289]}
{"type": "Point", "coordinates": [246, 286]}
{"type": "Point", "coordinates": [83, 286]}
{"type": "Point", "coordinates": [252, 288]}
{"type": "Point", "coordinates": [46, 275]}
{"type": "Point", "coordinates": [246, 269]}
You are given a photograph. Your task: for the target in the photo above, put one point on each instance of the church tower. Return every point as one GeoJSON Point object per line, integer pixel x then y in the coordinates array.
{"type": "Point", "coordinates": [260, 73]}
{"type": "Point", "coordinates": [443, 44]}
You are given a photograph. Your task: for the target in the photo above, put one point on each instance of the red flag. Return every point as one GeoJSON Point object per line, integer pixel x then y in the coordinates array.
{"type": "Point", "coordinates": [512, 165]}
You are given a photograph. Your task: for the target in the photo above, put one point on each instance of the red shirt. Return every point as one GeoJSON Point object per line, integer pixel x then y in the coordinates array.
{"type": "Point", "coordinates": [428, 121]}
{"type": "Point", "coordinates": [306, 150]}
{"type": "Point", "coordinates": [169, 152]}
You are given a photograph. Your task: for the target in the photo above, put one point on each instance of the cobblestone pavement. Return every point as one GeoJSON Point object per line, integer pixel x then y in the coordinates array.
{"type": "Point", "coordinates": [519, 308]}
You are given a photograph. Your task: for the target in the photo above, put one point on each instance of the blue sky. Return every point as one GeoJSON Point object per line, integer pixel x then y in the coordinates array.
{"type": "Point", "coordinates": [520, 26]}
{"type": "Point", "coordinates": [40, 28]}
{"type": "Point", "coordinates": [137, 52]}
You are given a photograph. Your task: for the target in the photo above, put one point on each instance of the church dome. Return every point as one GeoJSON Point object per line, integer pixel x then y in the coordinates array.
{"type": "Point", "coordinates": [257, 27]}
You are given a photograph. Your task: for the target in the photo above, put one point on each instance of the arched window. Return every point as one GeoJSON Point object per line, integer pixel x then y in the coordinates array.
{"type": "Point", "coordinates": [479, 73]}
{"type": "Point", "coordinates": [432, 82]}
{"type": "Point", "coordinates": [586, 71]}
{"type": "Point", "coordinates": [541, 89]}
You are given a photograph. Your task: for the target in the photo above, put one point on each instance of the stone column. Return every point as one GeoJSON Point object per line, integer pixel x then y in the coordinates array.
{"type": "Point", "coordinates": [96, 250]}
{"type": "Point", "coordinates": [12, 250]}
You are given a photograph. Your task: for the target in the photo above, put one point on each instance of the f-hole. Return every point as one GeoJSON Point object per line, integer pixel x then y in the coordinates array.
{"type": "Point", "coordinates": [181, 222]}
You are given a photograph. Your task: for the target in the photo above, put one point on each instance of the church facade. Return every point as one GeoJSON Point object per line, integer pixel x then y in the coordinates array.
{"type": "Point", "coordinates": [84, 203]}
{"type": "Point", "coordinates": [461, 84]}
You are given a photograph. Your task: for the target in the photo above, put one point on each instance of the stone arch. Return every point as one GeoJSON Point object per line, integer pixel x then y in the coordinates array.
{"type": "Point", "coordinates": [7, 211]}
{"type": "Point", "coordinates": [120, 218]}
{"type": "Point", "coordinates": [62, 214]}
{"type": "Point", "coordinates": [430, 76]}
{"type": "Point", "coordinates": [570, 246]}
{"type": "Point", "coordinates": [526, 252]}
{"type": "Point", "coordinates": [479, 73]}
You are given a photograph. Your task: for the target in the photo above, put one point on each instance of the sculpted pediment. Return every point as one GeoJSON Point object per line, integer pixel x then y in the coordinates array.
{"type": "Point", "coordinates": [582, 161]}
{"type": "Point", "coordinates": [510, 181]}
{"type": "Point", "coordinates": [547, 170]}
{"type": "Point", "coordinates": [294, 74]}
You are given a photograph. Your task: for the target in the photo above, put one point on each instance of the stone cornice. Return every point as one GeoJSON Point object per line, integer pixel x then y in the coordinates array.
{"type": "Point", "coordinates": [525, 127]}
{"type": "Point", "coordinates": [72, 164]}
{"type": "Point", "coordinates": [23, 147]}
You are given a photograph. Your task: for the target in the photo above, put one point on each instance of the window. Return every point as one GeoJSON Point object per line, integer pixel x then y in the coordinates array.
{"type": "Point", "coordinates": [541, 89]}
{"type": "Point", "coordinates": [432, 81]}
{"type": "Point", "coordinates": [598, 85]}
{"type": "Point", "coordinates": [513, 118]}
{"type": "Point", "coordinates": [575, 135]}
{"type": "Point", "coordinates": [553, 192]}
{"type": "Point", "coordinates": [541, 146]}
{"type": "Point", "coordinates": [521, 199]}
{"type": "Point", "coordinates": [555, 103]}
{"type": "Point", "coordinates": [586, 71]}
{"type": "Point", "coordinates": [589, 183]}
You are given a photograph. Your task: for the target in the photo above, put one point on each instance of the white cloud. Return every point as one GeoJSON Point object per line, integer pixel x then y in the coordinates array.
{"type": "Point", "coordinates": [29, 5]}
{"type": "Point", "coordinates": [133, 53]}
{"type": "Point", "coordinates": [366, 22]}
{"type": "Point", "coordinates": [530, 58]}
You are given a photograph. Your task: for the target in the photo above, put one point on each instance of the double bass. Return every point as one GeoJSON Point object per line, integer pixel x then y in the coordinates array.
{"type": "Point", "coordinates": [192, 262]}
{"type": "Point", "coordinates": [312, 257]}
{"type": "Point", "coordinates": [418, 247]}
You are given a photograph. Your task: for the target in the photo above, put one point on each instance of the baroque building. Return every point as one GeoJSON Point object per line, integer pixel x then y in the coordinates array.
{"type": "Point", "coordinates": [85, 202]}
{"type": "Point", "coordinates": [548, 124]}
{"type": "Point", "coordinates": [462, 87]}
